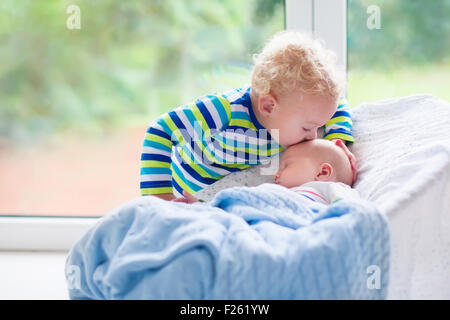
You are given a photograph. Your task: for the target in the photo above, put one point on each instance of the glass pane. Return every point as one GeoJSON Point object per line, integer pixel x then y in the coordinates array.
{"type": "Point", "coordinates": [398, 48]}
{"type": "Point", "coordinates": [80, 84]}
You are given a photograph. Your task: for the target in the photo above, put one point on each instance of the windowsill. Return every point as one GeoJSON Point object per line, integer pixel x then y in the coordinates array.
{"type": "Point", "coordinates": [42, 233]}
{"type": "Point", "coordinates": [33, 275]}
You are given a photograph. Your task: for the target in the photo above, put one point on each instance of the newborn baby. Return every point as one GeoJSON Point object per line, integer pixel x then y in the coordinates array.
{"type": "Point", "coordinates": [317, 169]}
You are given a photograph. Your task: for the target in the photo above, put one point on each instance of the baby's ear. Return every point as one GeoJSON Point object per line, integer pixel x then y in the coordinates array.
{"type": "Point", "coordinates": [324, 173]}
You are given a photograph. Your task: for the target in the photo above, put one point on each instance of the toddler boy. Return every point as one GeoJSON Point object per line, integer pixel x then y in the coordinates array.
{"type": "Point", "coordinates": [295, 89]}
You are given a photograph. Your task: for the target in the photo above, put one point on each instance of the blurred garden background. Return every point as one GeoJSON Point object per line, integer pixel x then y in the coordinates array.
{"type": "Point", "coordinates": [75, 103]}
{"type": "Point", "coordinates": [409, 54]}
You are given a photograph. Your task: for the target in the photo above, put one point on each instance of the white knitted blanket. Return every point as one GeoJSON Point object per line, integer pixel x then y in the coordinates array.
{"type": "Point", "coordinates": [402, 145]}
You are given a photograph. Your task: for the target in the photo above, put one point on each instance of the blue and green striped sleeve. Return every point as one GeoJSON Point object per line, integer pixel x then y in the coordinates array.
{"type": "Point", "coordinates": [176, 128]}
{"type": "Point", "coordinates": [340, 125]}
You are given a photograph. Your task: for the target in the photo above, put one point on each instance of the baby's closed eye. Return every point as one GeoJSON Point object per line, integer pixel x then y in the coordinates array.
{"type": "Point", "coordinates": [285, 164]}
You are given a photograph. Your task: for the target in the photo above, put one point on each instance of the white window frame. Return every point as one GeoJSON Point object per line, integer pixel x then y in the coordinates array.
{"type": "Point", "coordinates": [325, 19]}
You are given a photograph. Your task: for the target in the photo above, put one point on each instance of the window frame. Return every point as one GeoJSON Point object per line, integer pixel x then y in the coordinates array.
{"type": "Point", "coordinates": [322, 18]}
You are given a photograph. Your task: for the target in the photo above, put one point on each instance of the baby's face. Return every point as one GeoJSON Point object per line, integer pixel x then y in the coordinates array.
{"type": "Point", "coordinates": [315, 160]}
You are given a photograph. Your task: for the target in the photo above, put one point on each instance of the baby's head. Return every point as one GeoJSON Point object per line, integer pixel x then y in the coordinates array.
{"type": "Point", "coordinates": [296, 85]}
{"type": "Point", "coordinates": [315, 160]}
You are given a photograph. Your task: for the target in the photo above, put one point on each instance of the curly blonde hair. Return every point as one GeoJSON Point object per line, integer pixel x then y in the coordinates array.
{"type": "Point", "coordinates": [292, 60]}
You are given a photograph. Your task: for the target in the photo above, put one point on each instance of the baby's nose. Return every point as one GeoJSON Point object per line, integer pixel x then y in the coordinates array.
{"type": "Point", "coordinates": [276, 177]}
{"type": "Point", "coordinates": [313, 135]}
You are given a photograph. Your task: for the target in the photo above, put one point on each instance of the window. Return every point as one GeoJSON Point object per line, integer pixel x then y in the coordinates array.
{"type": "Point", "coordinates": [75, 103]}
{"type": "Point", "coordinates": [397, 48]}
{"type": "Point", "coordinates": [80, 83]}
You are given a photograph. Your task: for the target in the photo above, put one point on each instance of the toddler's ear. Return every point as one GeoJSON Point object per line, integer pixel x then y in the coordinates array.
{"type": "Point", "coordinates": [266, 104]}
{"type": "Point", "coordinates": [324, 173]}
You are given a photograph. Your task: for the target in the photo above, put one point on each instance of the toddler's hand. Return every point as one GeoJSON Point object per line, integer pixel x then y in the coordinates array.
{"type": "Point", "coordinates": [165, 196]}
{"type": "Point", "coordinates": [351, 157]}
{"type": "Point", "coordinates": [188, 198]}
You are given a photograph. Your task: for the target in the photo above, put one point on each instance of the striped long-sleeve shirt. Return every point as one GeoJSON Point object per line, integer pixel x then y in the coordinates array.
{"type": "Point", "coordinates": [195, 145]}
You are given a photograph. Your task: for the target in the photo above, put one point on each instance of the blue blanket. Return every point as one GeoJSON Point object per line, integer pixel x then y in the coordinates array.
{"type": "Point", "coordinates": [264, 242]}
